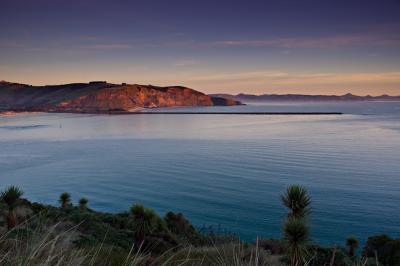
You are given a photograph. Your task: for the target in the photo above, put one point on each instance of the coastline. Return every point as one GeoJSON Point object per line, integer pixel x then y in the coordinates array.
{"type": "Point", "coordinates": [12, 113]}
{"type": "Point", "coordinates": [146, 111]}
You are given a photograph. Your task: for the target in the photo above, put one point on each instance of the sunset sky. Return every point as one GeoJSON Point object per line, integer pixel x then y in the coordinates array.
{"type": "Point", "coordinates": [285, 46]}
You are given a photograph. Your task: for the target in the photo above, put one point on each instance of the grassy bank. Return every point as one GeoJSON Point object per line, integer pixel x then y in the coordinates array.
{"type": "Point", "coordinates": [38, 234]}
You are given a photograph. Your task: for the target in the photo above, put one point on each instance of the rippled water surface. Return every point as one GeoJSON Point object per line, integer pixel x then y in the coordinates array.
{"type": "Point", "coordinates": [226, 170]}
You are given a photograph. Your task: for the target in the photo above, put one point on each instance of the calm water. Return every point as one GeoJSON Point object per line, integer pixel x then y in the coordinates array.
{"type": "Point", "coordinates": [218, 169]}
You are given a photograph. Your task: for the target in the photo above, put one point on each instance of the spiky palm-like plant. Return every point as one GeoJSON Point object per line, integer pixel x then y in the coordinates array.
{"type": "Point", "coordinates": [83, 203]}
{"type": "Point", "coordinates": [352, 245]}
{"type": "Point", "coordinates": [296, 233]}
{"type": "Point", "coordinates": [10, 196]}
{"type": "Point", "coordinates": [145, 221]}
{"type": "Point", "coordinates": [65, 200]}
{"type": "Point", "coordinates": [296, 199]}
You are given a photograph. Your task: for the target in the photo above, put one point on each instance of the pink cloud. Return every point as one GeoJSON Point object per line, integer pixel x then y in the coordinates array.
{"type": "Point", "coordinates": [317, 42]}
{"type": "Point", "coordinates": [5, 43]}
{"type": "Point", "coordinates": [106, 46]}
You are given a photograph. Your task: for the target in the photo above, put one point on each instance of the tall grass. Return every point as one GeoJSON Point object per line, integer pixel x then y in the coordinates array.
{"type": "Point", "coordinates": [228, 254]}
{"type": "Point", "coordinates": [37, 243]}
{"type": "Point", "coordinates": [54, 245]}
{"type": "Point", "coordinates": [22, 246]}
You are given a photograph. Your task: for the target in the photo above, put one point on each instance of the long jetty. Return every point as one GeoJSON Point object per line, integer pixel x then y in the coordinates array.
{"type": "Point", "coordinates": [235, 113]}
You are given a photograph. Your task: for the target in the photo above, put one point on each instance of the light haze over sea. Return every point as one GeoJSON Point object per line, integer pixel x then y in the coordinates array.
{"type": "Point", "coordinates": [226, 170]}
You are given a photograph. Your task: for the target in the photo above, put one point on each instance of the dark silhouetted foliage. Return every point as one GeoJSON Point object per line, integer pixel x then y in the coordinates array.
{"type": "Point", "coordinates": [385, 248]}
{"type": "Point", "coordinates": [297, 200]}
{"type": "Point", "coordinates": [65, 200]}
{"type": "Point", "coordinates": [11, 197]}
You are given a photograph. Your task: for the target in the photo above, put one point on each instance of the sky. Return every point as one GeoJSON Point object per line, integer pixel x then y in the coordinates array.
{"type": "Point", "coordinates": [285, 46]}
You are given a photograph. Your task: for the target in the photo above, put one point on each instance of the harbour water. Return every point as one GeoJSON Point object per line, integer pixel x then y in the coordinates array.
{"type": "Point", "coordinates": [222, 170]}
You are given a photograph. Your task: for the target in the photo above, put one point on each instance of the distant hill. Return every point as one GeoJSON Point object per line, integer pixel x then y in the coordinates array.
{"type": "Point", "coordinates": [301, 97]}
{"type": "Point", "coordinates": [100, 97]}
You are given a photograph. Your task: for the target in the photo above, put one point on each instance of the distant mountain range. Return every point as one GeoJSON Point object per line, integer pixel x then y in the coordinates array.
{"type": "Point", "coordinates": [301, 97]}
{"type": "Point", "coordinates": [100, 97]}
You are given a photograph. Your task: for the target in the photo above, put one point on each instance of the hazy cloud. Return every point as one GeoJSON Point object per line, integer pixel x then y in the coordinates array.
{"type": "Point", "coordinates": [285, 78]}
{"type": "Point", "coordinates": [285, 82]}
{"type": "Point", "coordinates": [6, 43]}
{"type": "Point", "coordinates": [185, 63]}
{"type": "Point", "coordinates": [106, 46]}
{"type": "Point", "coordinates": [317, 42]}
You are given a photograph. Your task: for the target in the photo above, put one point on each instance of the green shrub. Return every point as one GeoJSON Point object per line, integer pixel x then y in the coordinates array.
{"type": "Point", "coordinates": [182, 228]}
{"type": "Point", "coordinates": [385, 248]}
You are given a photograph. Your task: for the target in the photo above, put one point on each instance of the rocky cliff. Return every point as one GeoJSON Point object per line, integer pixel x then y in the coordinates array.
{"type": "Point", "coordinates": [100, 96]}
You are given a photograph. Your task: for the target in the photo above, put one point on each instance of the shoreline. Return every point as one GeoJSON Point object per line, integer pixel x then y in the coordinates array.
{"type": "Point", "coordinates": [12, 113]}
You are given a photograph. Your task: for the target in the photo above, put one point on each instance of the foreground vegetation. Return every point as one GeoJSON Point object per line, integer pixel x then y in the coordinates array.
{"type": "Point", "coordinates": [38, 234]}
